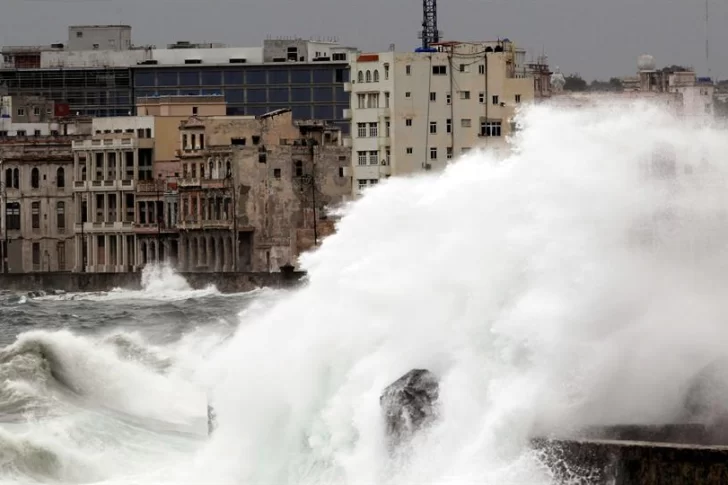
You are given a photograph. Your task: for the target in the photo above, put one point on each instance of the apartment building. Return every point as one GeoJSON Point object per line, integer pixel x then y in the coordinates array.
{"type": "Point", "coordinates": [416, 111]}
{"type": "Point", "coordinates": [37, 200]}
{"type": "Point", "coordinates": [250, 187]}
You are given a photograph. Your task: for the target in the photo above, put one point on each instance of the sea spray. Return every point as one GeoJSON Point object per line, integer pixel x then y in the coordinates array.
{"type": "Point", "coordinates": [566, 285]}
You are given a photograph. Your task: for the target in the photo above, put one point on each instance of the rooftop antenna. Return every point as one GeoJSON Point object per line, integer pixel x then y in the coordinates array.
{"type": "Point", "coordinates": [429, 34]}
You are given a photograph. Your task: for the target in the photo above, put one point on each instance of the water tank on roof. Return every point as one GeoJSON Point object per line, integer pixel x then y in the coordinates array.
{"type": "Point", "coordinates": [646, 62]}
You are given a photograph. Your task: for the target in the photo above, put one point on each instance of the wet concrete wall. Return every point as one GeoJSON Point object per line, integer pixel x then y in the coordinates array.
{"type": "Point", "coordinates": [74, 282]}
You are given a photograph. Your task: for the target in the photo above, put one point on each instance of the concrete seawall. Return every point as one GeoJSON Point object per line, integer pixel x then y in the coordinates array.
{"type": "Point", "coordinates": [638, 460]}
{"type": "Point", "coordinates": [78, 282]}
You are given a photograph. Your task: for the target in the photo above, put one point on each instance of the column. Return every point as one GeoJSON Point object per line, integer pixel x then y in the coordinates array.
{"type": "Point", "coordinates": [124, 252]}
{"type": "Point", "coordinates": [119, 206]}
{"type": "Point", "coordinates": [105, 170]}
{"type": "Point", "coordinates": [135, 175]}
{"type": "Point", "coordinates": [107, 250]}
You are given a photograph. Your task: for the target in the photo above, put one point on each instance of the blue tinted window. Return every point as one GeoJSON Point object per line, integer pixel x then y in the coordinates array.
{"type": "Point", "coordinates": [166, 79]}
{"type": "Point", "coordinates": [256, 96]}
{"type": "Point", "coordinates": [234, 95]}
{"type": "Point", "coordinates": [323, 112]}
{"type": "Point", "coordinates": [234, 111]}
{"type": "Point", "coordinates": [341, 95]}
{"type": "Point", "coordinates": [189, 92]}
{"type": "Point", "coordinates": [234, 77]}
{"type": "Point", "coordinates": [212, 92]}
{"type": "Point", "coordinates": [278, 77]}
{"type": "Point", "coordinates": [301, 77]}
{"type": "Point", "coordinates": [144, 79]}
{"type": "Point", "coordinates": [301, 112]}
{"type": "Point", "coordinates": [301, 95]}
{"type": "Point", "coordinates": [189, 78]}
{"type": "Point", "coordinates": [122, 99]}
{"type": "Point", "coordinates": [322, 76]}
{"type": "Point", "coordinates": [168, 92]}
{"type": "Point", "coordinates": [256, 110]}
{"type": "Point", "coordinates": [144, 94]}
{"type": "Point", "coordinates": [255, 77]}
{"type": "Point", "coordinates": [211, 78]}
{"type": "Point", "coordinates": [278, 95]}
{"type": "Point", "coordinates": [322, 95]}
{"type": "Point", "coordinates": [341, 76]}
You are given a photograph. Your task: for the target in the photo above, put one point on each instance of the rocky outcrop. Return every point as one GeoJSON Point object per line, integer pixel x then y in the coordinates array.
{"type": "Point", "coordinates": [409, 404]}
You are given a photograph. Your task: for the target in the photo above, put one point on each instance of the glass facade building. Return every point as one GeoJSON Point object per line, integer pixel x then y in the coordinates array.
{"type": "Point", "coordinates": [311, 90]}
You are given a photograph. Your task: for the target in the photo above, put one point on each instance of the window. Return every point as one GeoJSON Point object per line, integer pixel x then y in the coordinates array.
{"type": "Point", "coordinates": [407, 94]}
{"type": "Point", "coordinates": [376, 76]}
{"type": "Point", "coordinates": [61, 251]}
{"type": "Point", "coordinates": [61, 215]}
{"type": "Point", "coordinates": [20, 133]}
{"type": "Point", "coordinates": [449, 153]}
{"type": "Point", "coordinates": [387, 126]}
{"type": "Point", "coordinates": [481, 69]}
{"type": "Point", "coordinates": [518, 98]}
{"type": "Point", "coordinates": [433, 153]}
{"type": "Point", "coordinates": [194, 110]}
{"type": "Point", "coordinates": [495, 100]}
{"type": "Point", "coordinates": [35, 212]}
{"type": "Point", "coordinates": [60, 178]}
{"type": "Point", "coordinates": [35, 178]}
{"type": "Point", "coordinates": [481, 97]}
{"type": "Point", "coordinates": [373, 181]}
{"type": "Point", "coordinates": [361, 100]}
{"type": "Point", "coordinates": [79, 35]}
{"type": "Point", "coordinates": [298, 167]}
{"type": "Point", "coordinates": [373, 157]}
{"type": "Point", "coordinates": [464, 68]}
{"type": "Point", "coordinates": [408, 122]}
{"type": "Point", "coordinates": [361, 130]}
{"type": "Point", "coordinates": [373, 129]}
{"type": "Point", "coordinates": [36, 256]}
{"type": "Point", "coordinates": [360, 77]}
{"type": "Point", "coordinates": [277, 173]}
{"type": "Point", "coordinates": [202, 141]}
{"type": "Point", "coordinates": [386, 72]}
{"type": "Point", "coordinates": [12, 216]}
{"type": "Point", "coordinates": [16, 178]}
{"type": "Point", "coordinates": [21, 111]}
{"type": "Point", "coordinates": [448, 125]}
{"type": "Point", "coordinates": [369, 76]}
{"type": "Point", "coordinates": [373, 100]}
{"type": "Point", "coordinates": [361, 157]}
{"type": "Point", "coordinates": [433, 96]}
{"type": "Point", "coordinates": [362, 184]}
{"type": "Point", "coordinates": [184, 141]}
{"type": "Point", "coordinates": [338, 56]}
{"type": "Point", "coordinates": [464, 94]}
{"type": "Point", "coordinates": [36, 132]}
{"type": "Point", "coordinates": [408, 70]}
{"type": "Point", "coordinates": [388, 155]}
{"type": "Point", "coordinates": [465, 123]}
{"type": "Point", "coordinates": [409, 150]}
{"type": "Point", "coordinates": [433, 127]}
{"type": "Point", "coordinates": [386, 99]}
{"type": "Point", "coordinates": [439, 70]}
{"type": "Point", "coordinates": [448, 98]}
{"type": "Point", "coordinates": [490, 128]}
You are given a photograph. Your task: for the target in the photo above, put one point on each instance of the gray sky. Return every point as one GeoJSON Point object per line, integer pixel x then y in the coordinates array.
{"type": "Point", "coordinates": [594, 38]}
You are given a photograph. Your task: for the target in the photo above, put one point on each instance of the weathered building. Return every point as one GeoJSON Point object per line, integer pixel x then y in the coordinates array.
{"type": "Point", "coordinates": [37, 178]}
{"type": "Point", "coordinates": [254, 184]}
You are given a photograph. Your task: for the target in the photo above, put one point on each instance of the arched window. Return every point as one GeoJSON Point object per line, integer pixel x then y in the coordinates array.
{"type": "Point", "coordinates": [9, 178]}
{"type": "Point", "coordinates": [299, 168]}
{"type": "Point", "coordinates": [35, 178]}
{"type": "Point", "coordinates": [369, 76]}
{"type": "Point", "coordinates": [61, 215]}
{"type": "Point", "coordinates": [228, 169]}
{"type": "Point", "coordinates": [212, 167]}
{"type": "Point", "coordinates": [360, 77]}
{"type": "Point", "coordinates": [376, 76]}
{"type": "Point", "coordinates": [16, 178]}
{"type": "Point", "coordinates": [60, 178]}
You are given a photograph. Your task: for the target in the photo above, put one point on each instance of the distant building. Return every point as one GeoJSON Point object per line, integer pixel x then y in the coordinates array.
{"type": "Point", "coordinates": [99, 72]}
{"type": "Point", "coordinates": [37, 194]}
{"type": "Point", "coordinates": [416, 111]}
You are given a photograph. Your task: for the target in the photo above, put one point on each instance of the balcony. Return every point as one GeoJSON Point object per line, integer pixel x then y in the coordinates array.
{"type": "Point", "coordinates": [190, 182]}
{"type": "Point", "coordinates": [103, 227]}
{"type": "Point", "coordinates": [103, 185]}
{"type": "Point", "coordinates": [153, 228]}
{"type": "Point", "coordinates": [191, 224]}
{"type": "Point", "coordinates": [115, 143]}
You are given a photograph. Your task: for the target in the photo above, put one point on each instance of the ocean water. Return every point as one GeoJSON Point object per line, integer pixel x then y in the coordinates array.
{"type": "Point", "coordinates": [578, 282]}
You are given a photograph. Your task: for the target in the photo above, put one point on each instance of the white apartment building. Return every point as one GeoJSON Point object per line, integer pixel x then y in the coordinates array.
{"type": "Point", "coordinates": [416, 111]}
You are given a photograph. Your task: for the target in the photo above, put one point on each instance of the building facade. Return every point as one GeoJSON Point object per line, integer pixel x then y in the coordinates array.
{"type": "Point", "coordinates": [37, 203]}
{"type": "Point", "coordinates": [413, 112]}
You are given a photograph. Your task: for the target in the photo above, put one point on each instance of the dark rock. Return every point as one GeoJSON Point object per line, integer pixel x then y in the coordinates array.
{"type": "Point", "coordinates": [409, 404]}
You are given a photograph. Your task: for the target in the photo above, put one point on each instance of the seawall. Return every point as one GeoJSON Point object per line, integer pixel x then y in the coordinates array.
{"type": "Point", "coordinates": [80, 282]}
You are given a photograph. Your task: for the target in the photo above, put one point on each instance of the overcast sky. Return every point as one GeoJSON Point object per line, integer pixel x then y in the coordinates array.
{"type": "Point", "coordinates": [594, 38]}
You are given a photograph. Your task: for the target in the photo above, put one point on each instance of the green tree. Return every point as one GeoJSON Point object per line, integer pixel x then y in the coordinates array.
{"type": "Point", "coordinates": [574, 82]}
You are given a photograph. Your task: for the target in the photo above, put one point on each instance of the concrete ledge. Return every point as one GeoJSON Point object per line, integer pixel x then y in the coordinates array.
{"type": "Point", "coordinates": [596, 461]}
{"type": "Point", "coordinates": [79, 282]}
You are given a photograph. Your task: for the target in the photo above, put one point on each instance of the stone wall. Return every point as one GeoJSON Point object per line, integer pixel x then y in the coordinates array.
{"type": "Point", "coordinates": [75, 282]}
{"type": "Point", "coordinates": [597, 462]}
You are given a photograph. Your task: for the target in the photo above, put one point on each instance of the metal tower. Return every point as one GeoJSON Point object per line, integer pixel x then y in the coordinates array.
{"type": "Point", "coordinates": [429, 33]}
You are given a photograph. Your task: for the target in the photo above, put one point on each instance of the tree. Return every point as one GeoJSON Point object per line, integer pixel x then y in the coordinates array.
{"type": "Point", "coordinates": [574, 82]}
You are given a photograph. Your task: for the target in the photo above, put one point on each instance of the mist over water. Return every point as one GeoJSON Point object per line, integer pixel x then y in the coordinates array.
{"type": "Point", "coordinates": [578, 282]}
